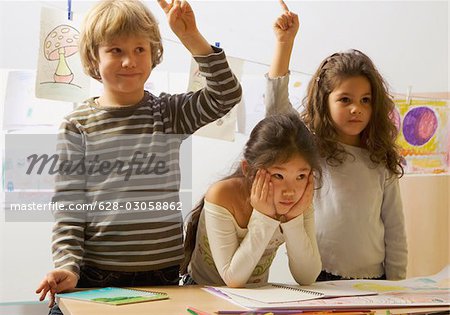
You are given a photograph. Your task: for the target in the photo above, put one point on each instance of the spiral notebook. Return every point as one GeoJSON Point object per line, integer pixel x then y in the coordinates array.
{"type": "Point", "coordinates": [114, 296]}
{"type": "Point", "coordinates": [284, 293]}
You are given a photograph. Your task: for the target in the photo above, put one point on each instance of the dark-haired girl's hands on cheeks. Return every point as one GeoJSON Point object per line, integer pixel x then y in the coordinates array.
{"type": "Point", "coordinates": [305, 201]}
{"type": "Point", "coordinates": [261, 196]}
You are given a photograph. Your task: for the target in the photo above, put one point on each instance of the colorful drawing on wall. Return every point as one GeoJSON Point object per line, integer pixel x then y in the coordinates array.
{"type": "Point", "coordinates": [60, 75]}
{"type": "Point", "coordinates": [419, 125]}
{"type": "Point", "coordinates": [60, 44]}
{"type": "Point", "coordinates": [395, 117]}
{"type": "Point", "coordinates": [424, 135]}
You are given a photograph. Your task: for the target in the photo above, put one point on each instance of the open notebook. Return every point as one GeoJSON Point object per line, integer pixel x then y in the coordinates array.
{"type": "Point", "coordinates": [114, 296]}
{"type": "Point", "coordinates": [283, 293]}
{"type": "Point", "coordinates": [430, 291]}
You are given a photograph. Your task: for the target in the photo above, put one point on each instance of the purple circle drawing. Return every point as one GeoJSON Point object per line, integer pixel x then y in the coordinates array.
{"type": "Point", "coordinates": [419, 125]}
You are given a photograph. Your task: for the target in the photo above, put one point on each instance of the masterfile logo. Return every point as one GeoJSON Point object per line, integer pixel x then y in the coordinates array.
{"type": "Point", "coordinates": [141, 163]}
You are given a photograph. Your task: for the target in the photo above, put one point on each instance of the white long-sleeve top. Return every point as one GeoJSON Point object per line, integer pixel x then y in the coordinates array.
{"type": "Point", "coordinates": [359, 215]}
{"type": "Point", "coordinates": [227, 254]}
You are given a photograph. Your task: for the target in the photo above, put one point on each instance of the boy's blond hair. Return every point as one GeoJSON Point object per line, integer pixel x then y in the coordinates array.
{"type": "Point", "coordinates": [112, 18]}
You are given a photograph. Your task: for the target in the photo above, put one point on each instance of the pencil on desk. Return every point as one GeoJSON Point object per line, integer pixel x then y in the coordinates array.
{"type": "Point", "coordinates": [297, 312]}
{"type": "Point", "coordinates": [195, 311]}
{"type": "Point", "coordinates": [278, 312]}
{"type": "Point", "coordinates": [255, 313]}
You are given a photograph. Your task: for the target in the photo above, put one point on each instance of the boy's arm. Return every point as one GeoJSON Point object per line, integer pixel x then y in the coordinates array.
{"type": "Point", "coordinates": [68, 229]}
{"type": "Point", "coordinates": [277, 96]}
{"type": "Point", "coordinates": [70, 194]}
{"type": "Point", "coordinates": [182, 22]}
{"type": "Point", "coordinates": [190, 111]}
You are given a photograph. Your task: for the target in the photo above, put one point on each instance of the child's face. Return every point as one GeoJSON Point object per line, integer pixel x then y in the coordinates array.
{"type": "Point", "coordinates": [289, 182]}
{"type": "Point", "coordinates": [125, 64]}
{"type": "Point", "coordinates": [350, 105]}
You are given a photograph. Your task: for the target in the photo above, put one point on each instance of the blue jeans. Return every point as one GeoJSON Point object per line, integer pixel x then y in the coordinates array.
{"type": "Point", "coordinates": [91, 277]}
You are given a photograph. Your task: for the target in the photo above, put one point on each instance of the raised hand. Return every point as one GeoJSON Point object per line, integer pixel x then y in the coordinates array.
{"type": "Point", "coordinates": [286, 25]}
{"type": "Point", "coordinates": [305, 201]}
{"type": "Point", "coordinates": [182, 22]}
{"type": "Point", "coordinates": [285, 28]}
{"type": "Point", "coordinates": [56, 281]}
{"type": "Point", "coordinates": [261, 195]}
{"type": "Point", "coordinates": [180, 16]}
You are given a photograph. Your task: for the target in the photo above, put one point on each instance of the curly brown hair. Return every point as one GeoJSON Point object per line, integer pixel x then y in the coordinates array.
{"type": "Point", "coordinates": [379, 135]}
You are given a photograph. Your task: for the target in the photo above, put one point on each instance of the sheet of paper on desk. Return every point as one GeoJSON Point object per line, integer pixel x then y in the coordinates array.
{"type": "Point", "coordinates": [332, 289]}
{"type": "Point", "coordinates": [282, 293]}
{"type": "Point", "coordinates": [269, 294]}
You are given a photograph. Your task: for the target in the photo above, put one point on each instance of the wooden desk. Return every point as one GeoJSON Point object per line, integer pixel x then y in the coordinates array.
{"type": "Point", "coordinates": [180, 298]}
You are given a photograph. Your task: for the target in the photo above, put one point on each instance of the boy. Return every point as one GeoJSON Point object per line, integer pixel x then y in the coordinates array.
{"type": "Point", "coordinates": [108, 139]}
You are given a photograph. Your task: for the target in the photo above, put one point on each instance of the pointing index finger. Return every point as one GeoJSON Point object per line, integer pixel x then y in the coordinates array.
{"type": "Point", "coordinates": [284, 6]}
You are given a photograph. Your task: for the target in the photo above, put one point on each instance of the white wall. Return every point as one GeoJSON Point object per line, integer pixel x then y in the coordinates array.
{"type": "Point", "coordinates": [408, 40]}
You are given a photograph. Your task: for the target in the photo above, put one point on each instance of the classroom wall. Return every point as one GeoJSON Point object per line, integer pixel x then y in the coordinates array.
{"type": "Point", "coordinates": [426, 204]}
{"type": "Point", "coordinates": [408, 40]}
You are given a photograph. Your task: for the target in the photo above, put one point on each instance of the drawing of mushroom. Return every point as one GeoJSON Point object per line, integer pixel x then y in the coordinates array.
{"type": "Point", "coordinates": [60, 43]}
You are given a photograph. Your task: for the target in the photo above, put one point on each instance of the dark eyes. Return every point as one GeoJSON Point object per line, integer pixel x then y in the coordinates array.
{"type": "Point", "coordinates": [118, 50]}
{"type": "Point", "coordinates": [347, 100]}
{"type": "Point", "coordinates": [279, 176]}
{"type": "Point", "coordinates": [366, 100]}
{"type": "Point", "coordinates": [115, 50]}
{"type": "Point", "coordinates": [344, 100]}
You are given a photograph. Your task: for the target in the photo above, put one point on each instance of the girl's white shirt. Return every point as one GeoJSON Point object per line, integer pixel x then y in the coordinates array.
{"type": "Point", "coordinates": [227, 254]}
{"type": "Point", "coordinates": [359, 214]}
